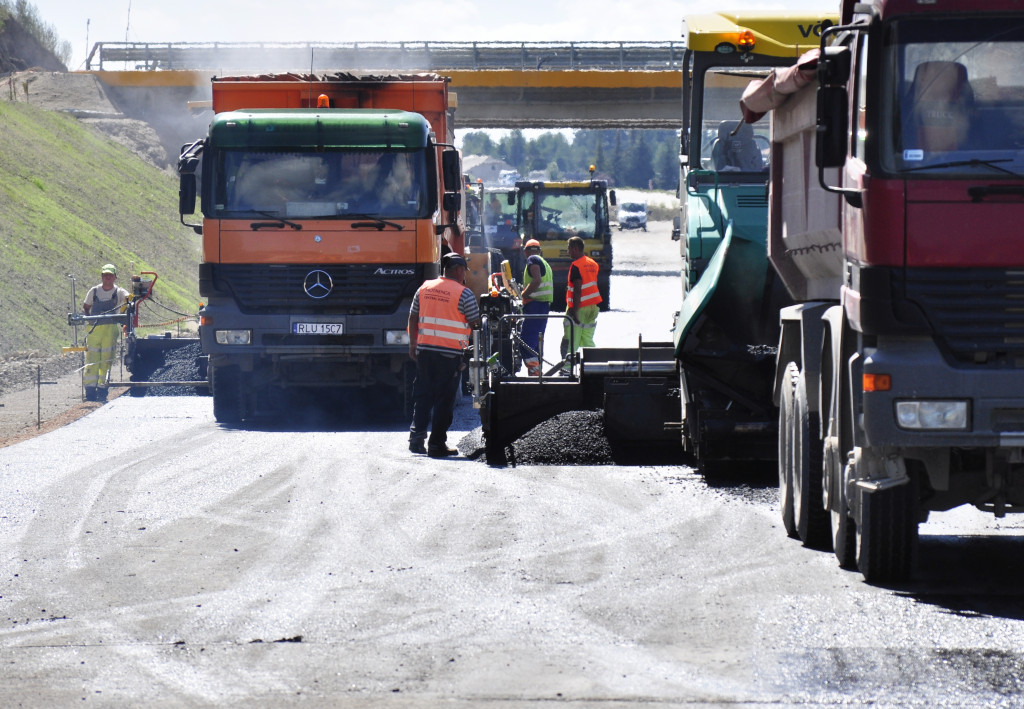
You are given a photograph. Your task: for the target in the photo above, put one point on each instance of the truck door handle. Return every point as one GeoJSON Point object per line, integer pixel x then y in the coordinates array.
{"type": "Point", "coordinates": [980, 192]}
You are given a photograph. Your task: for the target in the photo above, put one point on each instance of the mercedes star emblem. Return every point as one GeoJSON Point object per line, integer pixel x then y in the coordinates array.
{"type": "Point", "coordinates": [318, 284]}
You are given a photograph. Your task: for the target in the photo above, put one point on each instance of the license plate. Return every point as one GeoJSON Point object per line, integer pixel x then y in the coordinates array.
{"type": "Point", "coordinates": [317, 328]}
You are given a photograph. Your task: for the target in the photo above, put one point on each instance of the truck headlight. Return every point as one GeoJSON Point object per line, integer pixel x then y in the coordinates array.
{"type": "Point", "coordinates": [234, 337]}
{"type": "Point", "coordinates": [396, 337]}
{"type": "Point", "coordinates": [932, 415]}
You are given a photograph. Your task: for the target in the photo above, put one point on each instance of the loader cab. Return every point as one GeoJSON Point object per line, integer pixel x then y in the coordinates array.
{"type": "Point", "coordinates": [552, 212]}
{"type": "Point", "coordinates": [724, 161]}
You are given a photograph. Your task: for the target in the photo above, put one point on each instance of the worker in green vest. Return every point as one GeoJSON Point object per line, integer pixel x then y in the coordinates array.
{"type": "Point", "coordinates": [537, 297]}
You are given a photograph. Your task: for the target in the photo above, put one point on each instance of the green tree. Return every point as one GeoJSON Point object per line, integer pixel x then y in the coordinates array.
{"type": "Point", "coordinates": [513, 150]}
{"type": "Point", "coordinates": [478, 143]}
{"type": "Point", "coordinates": [599, 157]}
{"type": "Point", "coordinates": [639, 163]}
{"type": "Point", "coordinates": [666, 165]}
{"type": "Point", "coordinates": [26, 15]}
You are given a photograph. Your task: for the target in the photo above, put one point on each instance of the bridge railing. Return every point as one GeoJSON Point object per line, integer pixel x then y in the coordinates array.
{"type": "Point", "coordinates": [391, 56]}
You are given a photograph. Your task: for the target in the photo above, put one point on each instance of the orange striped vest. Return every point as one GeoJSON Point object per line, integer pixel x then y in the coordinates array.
{"type": "Point", "coordinates": [440, 322]}
{"type": "Point", "coordinates": [589, 294]}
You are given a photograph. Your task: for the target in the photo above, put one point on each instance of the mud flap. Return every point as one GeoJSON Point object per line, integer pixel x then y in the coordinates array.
{"type": "Point", "coordinates": [887, 535]}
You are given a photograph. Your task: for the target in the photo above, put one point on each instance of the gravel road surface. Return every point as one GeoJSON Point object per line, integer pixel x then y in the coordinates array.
{"type": "Point", "coordinates": [151, 557]}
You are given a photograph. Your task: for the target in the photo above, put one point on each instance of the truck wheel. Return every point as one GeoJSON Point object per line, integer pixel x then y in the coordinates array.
{"type": "Point", "coordinates": [887, 536]}
{"type": "Point", "coordinates": [812, 519]}
{"type": "Point", "coordinates": [494, 452]}
{"type": "Point", "coordinates": [787, 427]}
{"type": "Point", "coordinates": [844, 531]}
{"type": "Point", "coordinates": [228, 394]}
{"type": "Point", "coordinates": [408, 385]}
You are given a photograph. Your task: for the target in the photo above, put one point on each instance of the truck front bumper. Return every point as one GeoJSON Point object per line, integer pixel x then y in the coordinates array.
{"type": "Point", "coordinates": [918, 377]}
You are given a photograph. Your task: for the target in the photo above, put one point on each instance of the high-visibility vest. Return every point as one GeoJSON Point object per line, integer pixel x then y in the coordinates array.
{"type": "Point", "coordinates": [546, 290]}
{"type": "Point", "coordinates": [589, 294]}
{"type": "Point", "coordinates": [440, 322]}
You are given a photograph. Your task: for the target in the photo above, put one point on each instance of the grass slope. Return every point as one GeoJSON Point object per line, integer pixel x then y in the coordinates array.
{"type": "Point", "coordinates": [70, 201]}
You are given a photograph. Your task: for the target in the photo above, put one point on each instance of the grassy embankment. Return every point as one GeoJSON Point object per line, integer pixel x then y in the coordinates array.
{"type": "Point", "coordinates": [70, 201]}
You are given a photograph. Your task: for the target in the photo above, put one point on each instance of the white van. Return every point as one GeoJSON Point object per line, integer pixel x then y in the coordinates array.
{"type": "Point", "coordinates": [632, 215]}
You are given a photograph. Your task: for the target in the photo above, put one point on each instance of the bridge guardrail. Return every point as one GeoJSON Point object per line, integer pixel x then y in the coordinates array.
{"type": "Point", "coordinates": [369, 56]}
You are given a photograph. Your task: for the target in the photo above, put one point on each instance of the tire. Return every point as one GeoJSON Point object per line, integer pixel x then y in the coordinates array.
{"type": "Point", "coordinates": [408, 381]}
{"type": "Point", "coordinates": [812, 519]}
{"type": "Point", "coordinates": [844, 531]}
{"type": "Point", "coordinates": [228, 395]}
{"type": "Point", "coordinates": [494, 453]}
{"type": "Point", "coordinates": [787, 426]}
{"type": "Point", "coordinates": [887, 537]}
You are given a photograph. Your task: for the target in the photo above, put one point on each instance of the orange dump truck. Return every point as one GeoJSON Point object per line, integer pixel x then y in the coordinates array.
{"type": "Point", "coordinates": [326, 202]}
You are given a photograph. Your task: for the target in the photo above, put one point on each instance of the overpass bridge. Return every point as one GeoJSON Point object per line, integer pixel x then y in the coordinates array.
{"type": "Point", "coordinates": [498, 84]}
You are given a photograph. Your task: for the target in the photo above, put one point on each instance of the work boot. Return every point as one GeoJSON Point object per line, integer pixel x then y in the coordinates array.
{"type": "Point", "coordinates": [90, 393]}
{"type": "Point", "coordinates": [101, 394]}
{"type": "Point", "coordinates": [416, 446]}
{"type": "Point", "coordinates": [441, 452]}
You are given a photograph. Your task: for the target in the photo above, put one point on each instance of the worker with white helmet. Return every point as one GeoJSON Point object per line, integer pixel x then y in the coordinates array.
{"type": "Point", "coordinates": [101, 340]}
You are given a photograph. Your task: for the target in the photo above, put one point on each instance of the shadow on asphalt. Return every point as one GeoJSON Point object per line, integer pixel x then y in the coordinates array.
{"type": "Point", "coordinates": [975, 576]}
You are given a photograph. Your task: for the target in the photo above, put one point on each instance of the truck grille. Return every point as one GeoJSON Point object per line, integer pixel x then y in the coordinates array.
{"type": "Point", "coordinates": [977, 314]}
{"type": "Point", "coordinates": [357, 288]}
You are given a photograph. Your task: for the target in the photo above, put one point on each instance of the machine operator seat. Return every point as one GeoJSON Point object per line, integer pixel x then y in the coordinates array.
{"type": "Point", "coordinates": [736, 152]}
{"type": "Point", "coordinates": [941, 100]}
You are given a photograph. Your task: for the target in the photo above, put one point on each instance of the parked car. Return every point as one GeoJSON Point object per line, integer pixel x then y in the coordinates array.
{"type": "Point", "coordinates": [632, 215]}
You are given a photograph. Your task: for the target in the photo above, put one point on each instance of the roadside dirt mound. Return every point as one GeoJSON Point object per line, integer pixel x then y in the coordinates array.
{"type": "Point", "coordinates": [85, 97]}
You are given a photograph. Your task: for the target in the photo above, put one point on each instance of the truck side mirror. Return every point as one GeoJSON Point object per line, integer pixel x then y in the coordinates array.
{"type": "Point", "coordinates": [451, 202]}
{"type": "Point", "coordinates": [833, 125]}
{"type": "Point", "coordinates": [187, 200]}
{"type": "Point", "coordinates": [834, 66]}
{"type": "Point", "coordinates": [187, 194]}
{"type": "Point", "coordinates": [511, 198]}
{"type": "Point", "coordinates": [611, 197]}
{"type": "Point", "coordinates": [451, 169]}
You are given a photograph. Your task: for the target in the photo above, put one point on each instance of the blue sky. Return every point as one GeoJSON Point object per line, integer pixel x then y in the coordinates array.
{"type": "Point", "coordinates": [85, 22]}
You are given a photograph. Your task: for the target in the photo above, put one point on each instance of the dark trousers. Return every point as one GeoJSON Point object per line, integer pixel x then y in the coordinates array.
{"type": "Point", "coordinates": [433, 396]}
{"type": "Point", "coordinates": [533, 327]}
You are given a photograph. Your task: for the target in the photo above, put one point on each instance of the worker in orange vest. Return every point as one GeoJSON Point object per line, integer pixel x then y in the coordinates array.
{"type": "Point", "coordinates": [582, 297]}
{"type": "Point", "coordinates": [442, 314]}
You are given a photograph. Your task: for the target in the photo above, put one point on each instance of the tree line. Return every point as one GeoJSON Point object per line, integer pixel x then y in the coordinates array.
{"type": "Point", "coordinates": [626, 158]}
{"type": "Point", "coordinates": [26, 15]}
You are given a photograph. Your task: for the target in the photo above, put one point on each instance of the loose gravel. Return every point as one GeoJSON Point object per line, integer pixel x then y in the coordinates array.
{"type": "Point", "coordinates": [571, 438]}
{"type": "Point", "coordinates": [174, 364]}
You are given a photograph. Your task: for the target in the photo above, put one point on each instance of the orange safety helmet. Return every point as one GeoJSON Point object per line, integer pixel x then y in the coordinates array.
{"type": "Point", "coordinates": [532, 242]}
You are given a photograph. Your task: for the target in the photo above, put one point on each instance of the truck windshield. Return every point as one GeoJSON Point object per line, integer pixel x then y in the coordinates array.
{"type": "Point", "coordinates": [953, 104]}
{"type": "Point", "coordinates": [557, 216]}
{"type": "Point", "coordinates": [318, 185]}
{"type": "Point", "coordinates": [728, 144]}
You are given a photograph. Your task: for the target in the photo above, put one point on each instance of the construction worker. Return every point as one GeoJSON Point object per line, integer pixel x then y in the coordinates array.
{"type": "Point", "coordinates": [537, 298]}
{"type": "Point", "coordinates": [582, 297]}
{"type": "Point", "coordinates": [101, 340]}
{"type": "Point", "coordinates": [442, 314]}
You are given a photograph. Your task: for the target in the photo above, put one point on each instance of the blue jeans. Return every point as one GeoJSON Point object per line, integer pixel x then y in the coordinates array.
{"type": "Point", "coordinates": [433, 396]}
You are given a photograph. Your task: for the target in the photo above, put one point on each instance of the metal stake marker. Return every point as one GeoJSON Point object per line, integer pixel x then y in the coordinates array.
{"type": "Point", "coordinates": [39, 396]}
